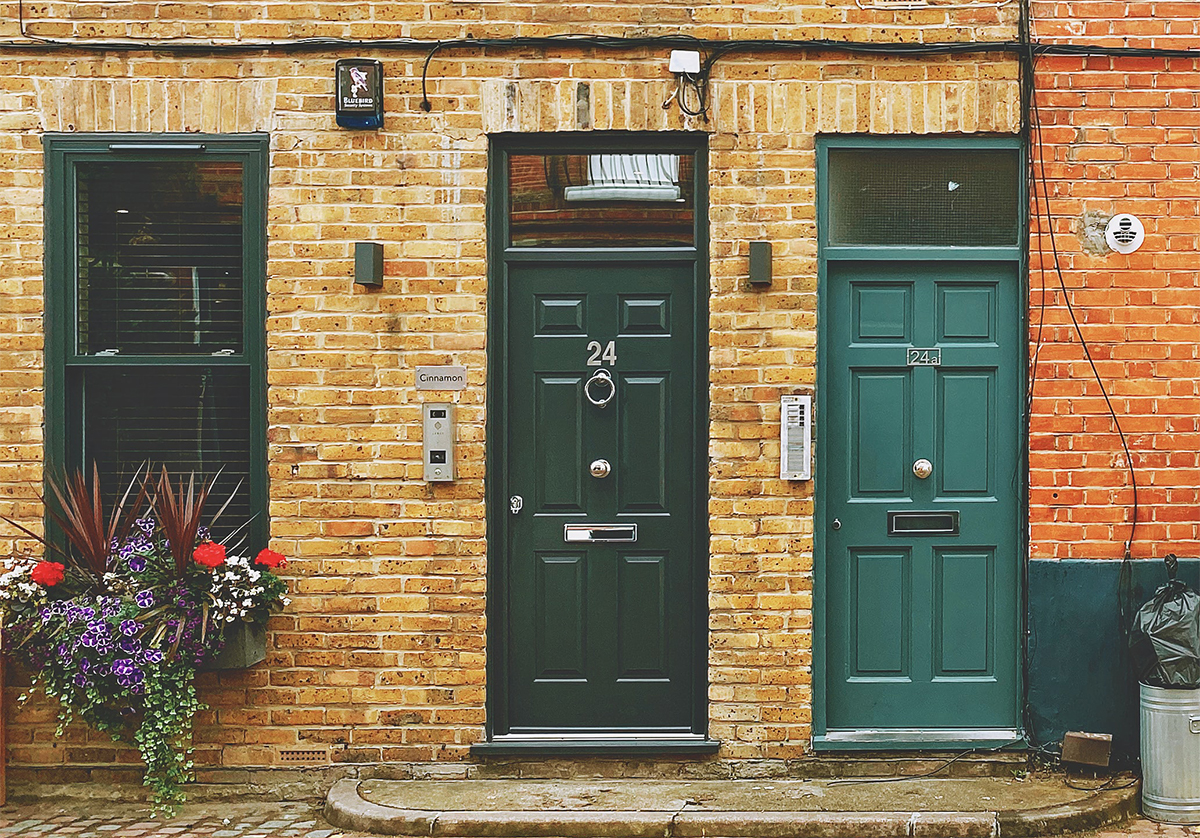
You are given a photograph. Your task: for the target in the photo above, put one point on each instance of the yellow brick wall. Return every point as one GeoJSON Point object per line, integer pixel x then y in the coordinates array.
{"type": "Point", "coordinates": [382, 651]}
{"type": "Point", "coordinates": [230, 20]}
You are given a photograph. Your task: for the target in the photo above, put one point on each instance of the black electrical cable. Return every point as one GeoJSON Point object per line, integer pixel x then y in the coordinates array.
{"type": "Point", "coordinates": [1107, 785]}
{"type": "Point", "coordinates": [853, 781]}
{"type": "Point", "coordinates": [1028, 639]}
{"type": "Point", "coordinates": [426, 105]}
{"type": "Point", "coordinates": [1124, 583]}
{"type": "Point", "coordinates": [717, 49]}
{"type": "Point", "coordinates": [1049, 218]}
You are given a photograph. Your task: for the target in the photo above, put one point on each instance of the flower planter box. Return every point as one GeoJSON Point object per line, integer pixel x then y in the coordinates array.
{"type": "Point", "coordinates": [245, 645]}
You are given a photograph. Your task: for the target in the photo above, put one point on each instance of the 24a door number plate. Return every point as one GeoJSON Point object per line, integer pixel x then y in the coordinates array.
{"type": "Point", "coordinates": [924, 357]}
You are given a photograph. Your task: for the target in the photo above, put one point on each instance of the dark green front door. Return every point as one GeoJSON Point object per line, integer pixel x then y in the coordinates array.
{"type": "Point", "coordinates": [921, 560]}
{"type": "Point", "coordinates": [602, 552]}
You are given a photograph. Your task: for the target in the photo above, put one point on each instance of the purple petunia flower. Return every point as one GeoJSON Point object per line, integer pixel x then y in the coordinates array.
{"type": "Point", "coordinates": [137, 563]}
{"type": "Point", "coordinates": [144, 599]}
{"type": "Point", "coordinates": [146, 525]}
{"type": "Point", "coordinates": [130, 645]}
{"type": "Point", "coordinates": [81, 680]}
{"type": "Point", "coordinates": [152, 656]}
{"type": "Point", "coordinates": [127, 676]}
{"type": "Point", "coordinates": [130, 627]}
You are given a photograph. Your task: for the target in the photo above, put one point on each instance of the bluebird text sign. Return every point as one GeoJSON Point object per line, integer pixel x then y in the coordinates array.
{"type": "Point", "coordinates": [441, 378]}
{"type": "Point", "coordinates": [359, 93]}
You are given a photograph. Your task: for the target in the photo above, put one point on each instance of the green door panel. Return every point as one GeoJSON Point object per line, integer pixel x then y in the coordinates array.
{"type": "Point", "coordinates": [922, 628]}
{"type": "Point", "coordinates": [601, 635]}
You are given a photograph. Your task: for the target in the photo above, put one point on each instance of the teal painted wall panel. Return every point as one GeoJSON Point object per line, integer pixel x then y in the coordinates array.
{"type": "Point", "coordinates": [1078, 669]}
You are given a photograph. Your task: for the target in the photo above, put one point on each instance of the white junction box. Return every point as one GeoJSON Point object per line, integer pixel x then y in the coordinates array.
{"type": "Point", "coordinates": [437, 441]}
{"type": "Point", "coordinates": [795, 437]}
{"type": "Point", "coordinates": [684, 61]}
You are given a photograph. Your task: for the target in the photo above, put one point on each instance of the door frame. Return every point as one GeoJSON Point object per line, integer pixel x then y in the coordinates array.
{"type": "Point", "coordinates": [1018, 256]}
{"type": "Point", "coordinates": [499, 255]}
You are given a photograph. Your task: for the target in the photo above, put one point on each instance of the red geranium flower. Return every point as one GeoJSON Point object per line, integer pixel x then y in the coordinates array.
{"type": "Point", "coordinates": [48, 573]}
{"type": "Point", "coordinates": [269, 558]}
{"type": "Point", "coordinates": [210, 554]}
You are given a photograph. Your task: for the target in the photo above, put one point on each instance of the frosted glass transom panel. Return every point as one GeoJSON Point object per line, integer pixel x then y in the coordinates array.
{"type": "Point", "coordinates": [928, 197]}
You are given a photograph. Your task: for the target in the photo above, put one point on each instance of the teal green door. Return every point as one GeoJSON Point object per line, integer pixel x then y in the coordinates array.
{"type": "Point", "coordinates": [601, 559]}
{"type": "Point", "coordinates": [921, 571]}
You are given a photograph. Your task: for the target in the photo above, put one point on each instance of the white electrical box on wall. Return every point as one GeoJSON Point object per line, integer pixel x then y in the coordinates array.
{"type": "Point", "coordinates": [795, 437]}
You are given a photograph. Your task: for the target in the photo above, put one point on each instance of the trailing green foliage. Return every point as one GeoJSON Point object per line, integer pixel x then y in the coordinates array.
{"type": "Point", "coordinates": [117, 636]}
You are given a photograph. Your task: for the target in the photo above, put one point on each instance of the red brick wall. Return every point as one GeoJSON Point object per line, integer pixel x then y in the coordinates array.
{"type": "Point", "coordinates": [1120, 135]}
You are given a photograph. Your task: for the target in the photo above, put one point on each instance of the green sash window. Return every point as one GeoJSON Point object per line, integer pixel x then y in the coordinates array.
{"type": "Point", "coordinates": [155, 310]}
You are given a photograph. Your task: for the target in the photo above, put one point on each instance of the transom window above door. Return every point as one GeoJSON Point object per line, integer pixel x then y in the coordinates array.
{"type": "Point", "coordinates": [941, 197]}
{"type": "Point", "coordinates": [601, 200]}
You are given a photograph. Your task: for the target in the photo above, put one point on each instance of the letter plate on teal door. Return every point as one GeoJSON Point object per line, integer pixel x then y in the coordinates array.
{"type": "Point", "coordinates": [599, 532]}
{"type": "Point", "coordinates": [923, 523]}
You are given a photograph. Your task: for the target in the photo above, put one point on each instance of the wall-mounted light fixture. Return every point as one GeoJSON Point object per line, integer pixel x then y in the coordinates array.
{"type": "Point", "coordinates": [760, 264]}
{"type": "Point", "coordinates": [368, 263]}
{"type": "Point", "coordinates": [359, 84]}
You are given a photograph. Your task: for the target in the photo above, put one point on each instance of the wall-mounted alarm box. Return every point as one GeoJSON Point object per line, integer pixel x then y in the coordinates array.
{"type": "Point", "coordinates": [359, 92]}
{"type": "Point", "coordinates": [438, 442]}
{"type": "Point", "coordinates": [795, 437]}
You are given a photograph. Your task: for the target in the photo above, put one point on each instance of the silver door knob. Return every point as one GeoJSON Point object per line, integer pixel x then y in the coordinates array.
{"type": "Point", "coordinates": [922, 468]}
{"type": "Point", "coordinates": [600, 468]}
{"type": "Point", "coordinates": [837, 523]}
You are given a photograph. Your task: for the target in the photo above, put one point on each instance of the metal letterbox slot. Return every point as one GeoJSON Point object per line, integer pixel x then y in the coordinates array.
{"type": "Point", "coordinates": [599, 532]}
{"type": "Point", "coordinates": [923, 523]}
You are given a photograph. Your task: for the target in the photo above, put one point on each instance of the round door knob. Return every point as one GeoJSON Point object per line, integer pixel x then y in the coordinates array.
{"type": "Point", "coordinates": [600, 468]}
{"type": "Point", "coordinates": [922, 468]}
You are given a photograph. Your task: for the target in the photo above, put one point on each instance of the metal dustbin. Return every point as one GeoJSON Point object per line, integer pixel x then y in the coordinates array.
{"type": "Point", "coordinates": [1170, 754]}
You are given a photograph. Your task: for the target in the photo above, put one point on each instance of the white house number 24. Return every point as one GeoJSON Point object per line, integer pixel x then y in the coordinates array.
{"type": "Point", "coordinates": [602, 354]}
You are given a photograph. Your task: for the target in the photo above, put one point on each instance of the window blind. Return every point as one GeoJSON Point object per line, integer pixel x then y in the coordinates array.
{"type": "Point", "coordinates": [159, 257]}
{"type": "Point", "coordinates": [189, 419]}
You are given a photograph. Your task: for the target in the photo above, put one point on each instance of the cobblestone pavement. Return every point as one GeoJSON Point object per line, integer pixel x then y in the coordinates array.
{"type": "Point", "coordinates": [87, 819]}
{"type": "Point", "coordinates": [1142, 828]}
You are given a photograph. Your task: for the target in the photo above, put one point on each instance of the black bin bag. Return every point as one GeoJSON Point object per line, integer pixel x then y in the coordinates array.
{"type": "Point", "coordinates": [1165, 638]}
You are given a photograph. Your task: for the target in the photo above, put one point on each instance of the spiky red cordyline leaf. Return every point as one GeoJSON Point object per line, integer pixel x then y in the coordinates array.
{"type": "Point", "coordinates": [80, 515]}
{"type": "Point", "coordinates": [178, 513]}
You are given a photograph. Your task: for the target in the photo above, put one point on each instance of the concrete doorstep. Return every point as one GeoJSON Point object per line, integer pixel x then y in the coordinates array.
{"type": "Point", "coordinates": [983, 807]}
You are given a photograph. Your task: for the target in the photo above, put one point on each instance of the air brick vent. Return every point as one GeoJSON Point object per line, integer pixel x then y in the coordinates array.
{"type": "Point", "coordinates": [303, 756]}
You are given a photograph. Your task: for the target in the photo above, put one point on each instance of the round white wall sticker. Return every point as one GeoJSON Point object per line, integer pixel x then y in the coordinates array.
{"type": "Point", "coordinates": [1124, 233]}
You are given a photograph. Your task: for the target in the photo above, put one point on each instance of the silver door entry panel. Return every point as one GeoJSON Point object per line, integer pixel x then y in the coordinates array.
{"type": "Point", "coordinates": [600, 532]}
